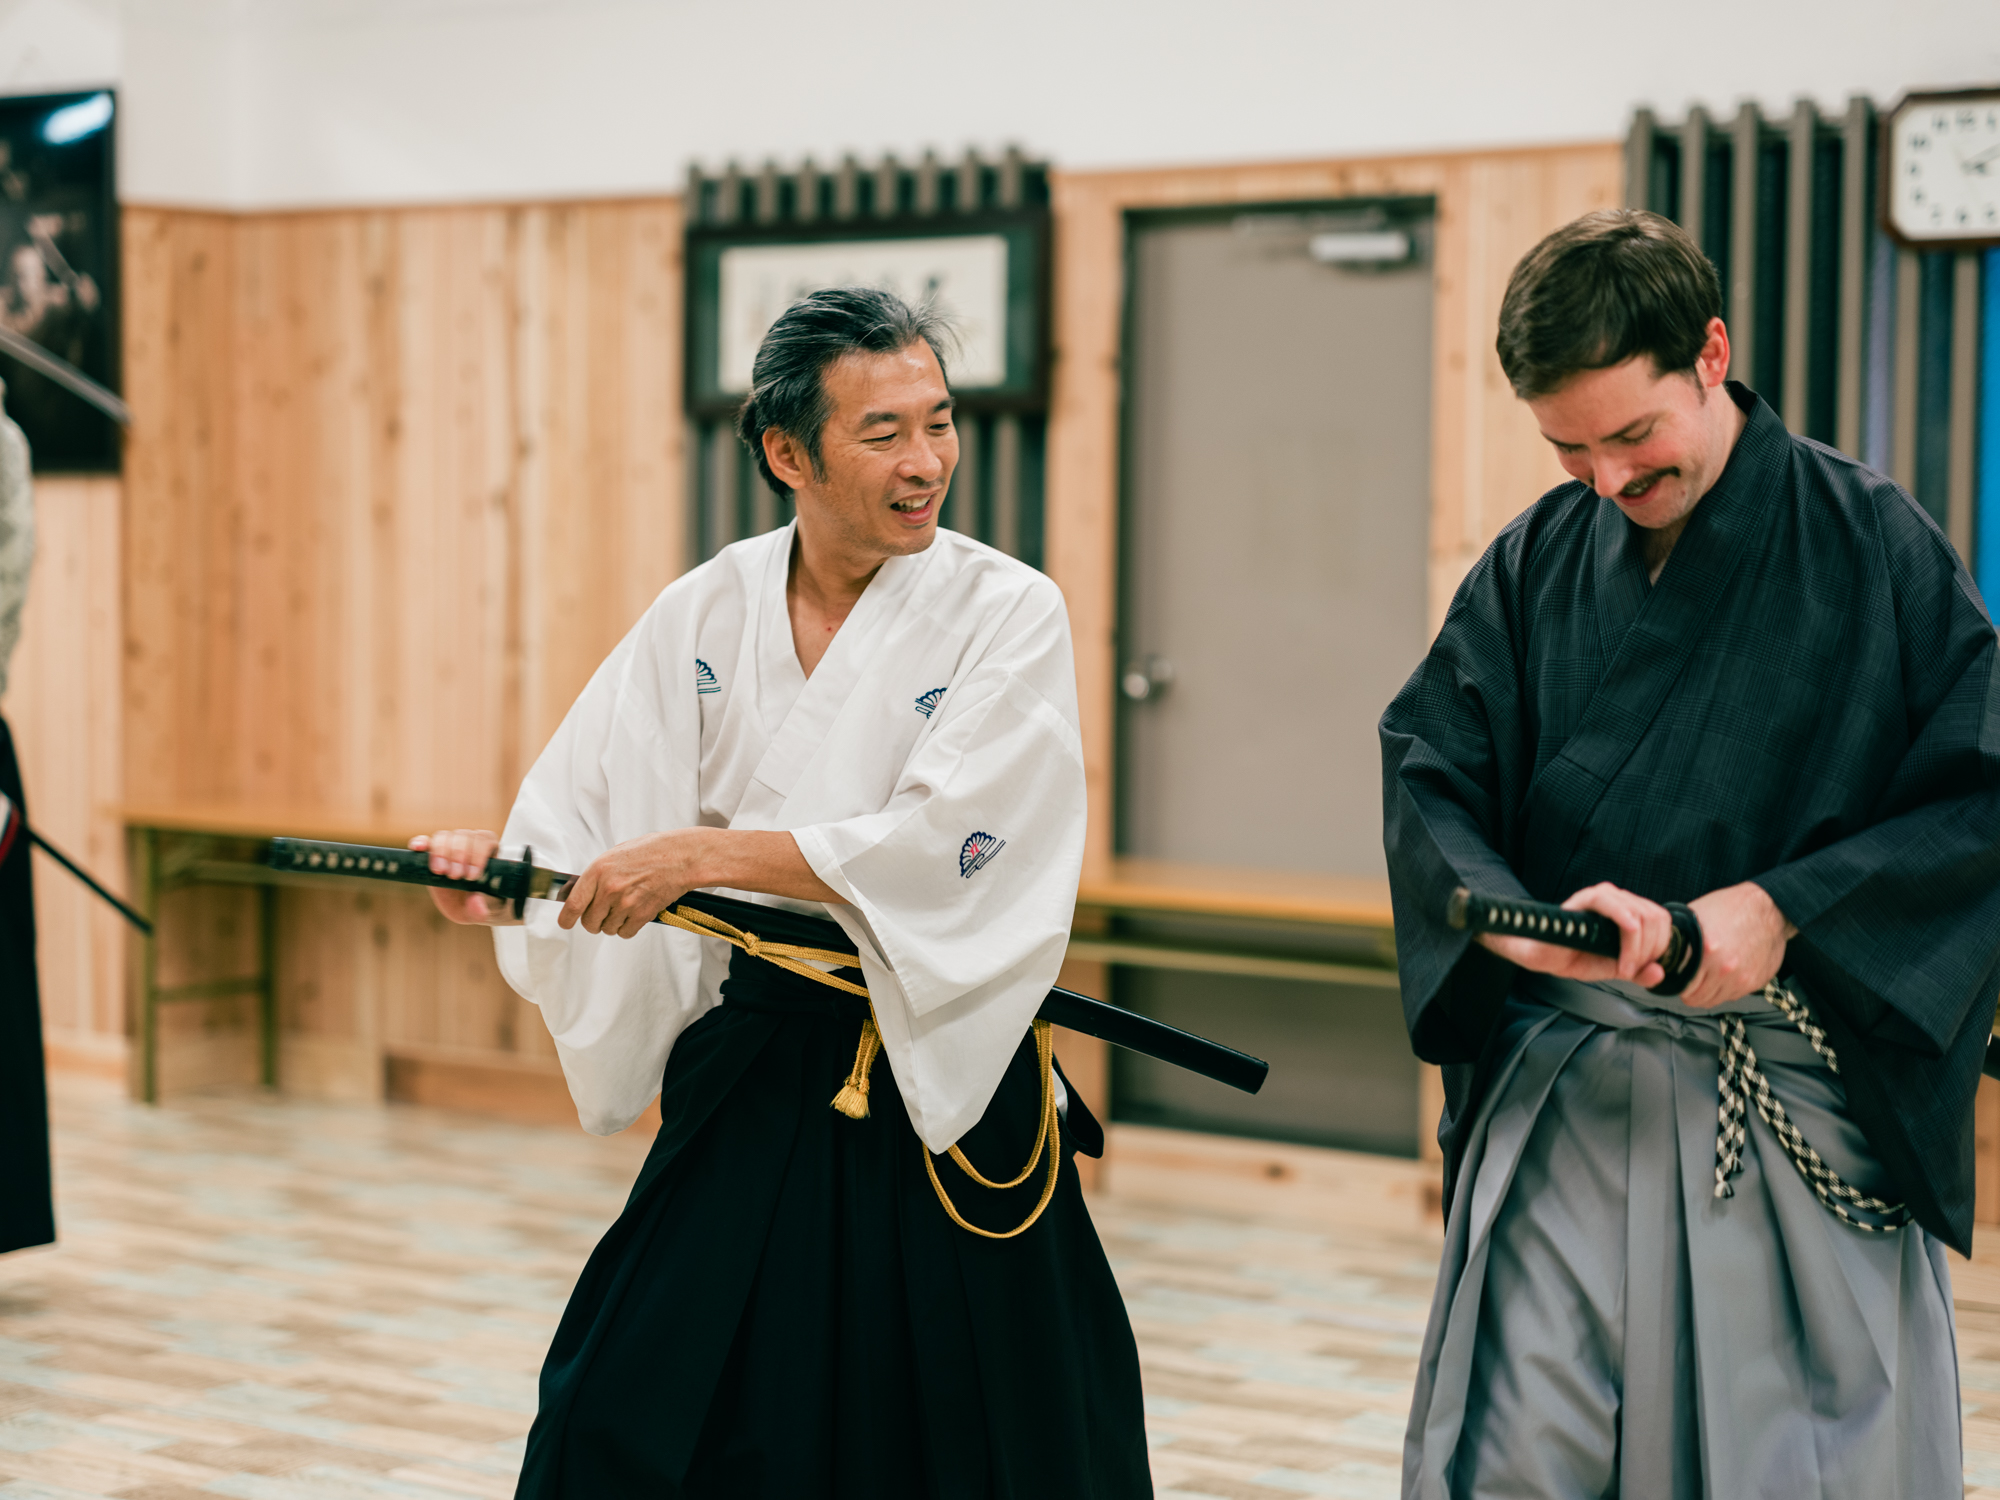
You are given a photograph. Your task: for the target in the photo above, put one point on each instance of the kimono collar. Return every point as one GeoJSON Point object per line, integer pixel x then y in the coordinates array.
{"type": "Point", "coordinates": [1733, 503]}
{"type": "Point", "coordinates": [1645, 655]}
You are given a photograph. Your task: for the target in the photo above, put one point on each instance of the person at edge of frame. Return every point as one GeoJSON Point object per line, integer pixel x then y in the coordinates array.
{"type": "Point", "coordinates": [863, 716]}
{"type": "Point", "coordinates": [1730, 667]}
{"type": "Point", "coordinates": [27, 1202]}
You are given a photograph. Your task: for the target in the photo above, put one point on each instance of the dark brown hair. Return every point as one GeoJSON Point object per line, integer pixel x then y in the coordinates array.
{"type": "Point", "coordinates": [1601, 289]}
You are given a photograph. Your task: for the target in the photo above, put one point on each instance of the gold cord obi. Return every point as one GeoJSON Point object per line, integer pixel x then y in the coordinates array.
{"type": "Point", "coordinates": [852, 1100]}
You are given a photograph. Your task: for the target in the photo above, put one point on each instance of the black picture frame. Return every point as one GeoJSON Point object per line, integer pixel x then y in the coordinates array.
{"type": "Point", "coordinates": [1026, 230]}
{"type": "Point", "coordinates": [59, 264]}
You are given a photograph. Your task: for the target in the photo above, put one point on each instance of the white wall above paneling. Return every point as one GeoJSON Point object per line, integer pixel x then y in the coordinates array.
{"type": "Point", "coordinates": [272, 103]}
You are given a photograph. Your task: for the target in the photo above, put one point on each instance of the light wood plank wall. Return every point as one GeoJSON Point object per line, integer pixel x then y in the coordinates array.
{"type": "Point", "coordinates": [400, 479]}
{"type": "Point", "coordinates": [64, 706]}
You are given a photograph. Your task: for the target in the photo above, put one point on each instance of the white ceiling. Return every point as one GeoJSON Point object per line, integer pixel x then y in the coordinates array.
{"type": "Point", "coordinates": [266, 103]}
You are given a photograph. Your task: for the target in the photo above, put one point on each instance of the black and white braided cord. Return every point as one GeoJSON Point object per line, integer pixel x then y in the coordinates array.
{"type": "Point", "coordinates": [1742, 1082]}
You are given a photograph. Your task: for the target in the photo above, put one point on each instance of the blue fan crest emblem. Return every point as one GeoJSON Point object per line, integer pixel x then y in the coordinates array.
{"type": "Point", "coordinates": [927, 704]}
{"type": "Point", "coordinates": [977, 850]}
{"type": "Point", "coordinates": [704, 678]}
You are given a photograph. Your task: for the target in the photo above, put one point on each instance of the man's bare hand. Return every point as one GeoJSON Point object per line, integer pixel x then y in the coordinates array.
{"type": "Point", "coordinates": [633, 882]}
{"type": "Point", "coordinates": [461, 854]}
{"type": "Point", "coordinates": [1642, 925]}
{"type": "Point", "coordinates": [1743, 937]}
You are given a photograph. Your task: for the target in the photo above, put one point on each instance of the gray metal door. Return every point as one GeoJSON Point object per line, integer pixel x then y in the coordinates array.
{"type": "Point", "coordinates": [1277, 526]}
{"type": "Point", "coordinates": [1276, 531]}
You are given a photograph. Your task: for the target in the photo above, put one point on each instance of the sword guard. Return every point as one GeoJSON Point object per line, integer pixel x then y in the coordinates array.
{"type": "Point", "coordinates": [521, 889]}
{"type": "Point", "coordinates": [1682, 960]}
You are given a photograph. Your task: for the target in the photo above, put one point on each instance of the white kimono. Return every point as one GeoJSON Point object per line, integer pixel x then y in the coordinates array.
{"type": "Point", "coordinates": [930, 770]}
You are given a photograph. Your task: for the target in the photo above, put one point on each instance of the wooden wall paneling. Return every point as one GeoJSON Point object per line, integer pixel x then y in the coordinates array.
{"type": "Point", "coordinates": [63, 707]}
{"type": "Point", "coordinates": [407, 476]}
{"type": "Point", "coordinates": [1080, 516]}
{"type": "Point", "coordinates": [610, 531]}
{"type": "Point", "coordinates": [180, 284]}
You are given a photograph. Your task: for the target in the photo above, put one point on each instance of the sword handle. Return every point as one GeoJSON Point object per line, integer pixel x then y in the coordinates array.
{"type": "Point", "coordinates": [1586, 931]}
{"type": "Point", "coordinates": [503, 879]}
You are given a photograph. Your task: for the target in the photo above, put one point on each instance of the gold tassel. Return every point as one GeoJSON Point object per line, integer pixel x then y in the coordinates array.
{"type": "Point", "coordinates": [852, 1100]}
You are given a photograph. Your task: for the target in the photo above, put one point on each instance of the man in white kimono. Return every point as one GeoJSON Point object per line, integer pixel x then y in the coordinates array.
{"type": "Point", "coordinates": [865, 717]}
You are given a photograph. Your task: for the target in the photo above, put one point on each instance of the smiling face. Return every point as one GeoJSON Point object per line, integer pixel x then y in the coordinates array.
{"type": "Point", "coordinates": [1652, 444]}
{"type": "Point", "coordinates": [887, 452]}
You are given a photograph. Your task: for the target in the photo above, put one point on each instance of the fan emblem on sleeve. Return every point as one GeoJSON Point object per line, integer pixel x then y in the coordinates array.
{"type": "Point", "coordinates": [927, 705]}
{"type": "Point", "coordinates": [704, 678]}
{"type": "Point", "coordinates": [977, 850]}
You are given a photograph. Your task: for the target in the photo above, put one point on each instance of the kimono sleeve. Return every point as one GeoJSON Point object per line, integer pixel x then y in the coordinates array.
{"type": "Point", "coordinates": [615, 768]}
{"type": "Point", "coordinates": [966, 880]}
{"type": "Point", "coordinates": [1453, 768]}
{"type": "Point", "coordinates": [1900, 921]}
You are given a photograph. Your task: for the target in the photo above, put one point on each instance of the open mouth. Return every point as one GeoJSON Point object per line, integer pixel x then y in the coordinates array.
{"type": "Point", "coordinates": [1639, 491]}
{"type": "Point", "coordinates": [917, 507]}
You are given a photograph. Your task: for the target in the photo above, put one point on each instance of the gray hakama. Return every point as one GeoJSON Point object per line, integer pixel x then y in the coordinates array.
{"type": "Point", "coordinates": [1605, 1325]}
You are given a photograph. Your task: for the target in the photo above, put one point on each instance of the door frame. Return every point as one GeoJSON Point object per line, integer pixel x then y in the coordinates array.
{"type": "Point", "coordinates": [1403, 209]}
{"type": "Point", "coordinates": [1488, 461]}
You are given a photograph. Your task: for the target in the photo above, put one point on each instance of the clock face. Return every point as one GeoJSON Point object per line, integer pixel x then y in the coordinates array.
{"type": "Point", "coordinates": [1944, 169]}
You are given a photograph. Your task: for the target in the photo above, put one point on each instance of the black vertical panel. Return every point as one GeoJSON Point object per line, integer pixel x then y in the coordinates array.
{"type": "Point", "coordinates": [1663, 177]}
{"type": "Point", "coordinates": [1823, 301]}
{"type": "Point", "coordinates": [1718, 188]}
{"type": "Point", "coordinates": [1034, 463]}
{"type": "Point", "coordinates": [1934, 303]}
{"type": "Point", "coordinates": [1773, 184]}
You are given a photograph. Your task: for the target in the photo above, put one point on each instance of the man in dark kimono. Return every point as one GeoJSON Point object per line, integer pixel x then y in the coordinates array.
{"type": "Point", "coordinates": [1729, 667]}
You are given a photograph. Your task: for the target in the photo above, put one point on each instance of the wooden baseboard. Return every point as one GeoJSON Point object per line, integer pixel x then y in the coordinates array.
{"type": "Point", "coordinates": [528, 1091]}
{"type": "Point", "coordinates": [1311, 1184]}
{"type": "Point", "coordinates": [92, 1057]}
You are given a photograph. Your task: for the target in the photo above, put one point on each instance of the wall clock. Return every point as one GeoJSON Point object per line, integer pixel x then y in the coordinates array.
{"type": "Point", "coordinates": [1941, 170]}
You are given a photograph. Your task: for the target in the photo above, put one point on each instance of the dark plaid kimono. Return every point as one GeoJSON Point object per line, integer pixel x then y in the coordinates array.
{"type": "Point", "coordinates": [1806, 698]}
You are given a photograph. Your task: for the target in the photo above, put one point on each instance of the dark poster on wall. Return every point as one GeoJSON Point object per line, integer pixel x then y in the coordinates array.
{"type": "Point", "coordinates": [59, 270]}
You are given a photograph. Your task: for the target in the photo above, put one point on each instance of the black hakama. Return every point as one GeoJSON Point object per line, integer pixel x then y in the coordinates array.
{"type": "Point", "coordinates": [784, 1310]}
{"type": "Point", "coordinates": [27, 1206]}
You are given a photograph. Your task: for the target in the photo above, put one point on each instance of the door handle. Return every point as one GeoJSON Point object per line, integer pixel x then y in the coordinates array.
{"type": "Point", "coordinates": [1146, 679]}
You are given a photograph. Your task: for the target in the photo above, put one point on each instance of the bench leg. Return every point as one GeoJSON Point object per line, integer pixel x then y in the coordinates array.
{"type": "Point", "coordinates": [267, 993]}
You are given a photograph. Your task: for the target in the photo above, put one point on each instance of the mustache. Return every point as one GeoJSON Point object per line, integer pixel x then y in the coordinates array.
{"type": "Point", "coordinates": [1645, 482]}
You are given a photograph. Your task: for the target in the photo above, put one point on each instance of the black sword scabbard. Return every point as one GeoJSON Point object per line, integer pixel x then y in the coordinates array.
{"type": "Point", "coordinates": [518, 880]}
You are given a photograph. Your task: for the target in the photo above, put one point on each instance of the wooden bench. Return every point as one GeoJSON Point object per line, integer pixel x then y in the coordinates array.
{"type": "Point", "coordinates": [174, 847]}
{"type": "Point", "coordinates": [1249, 902]}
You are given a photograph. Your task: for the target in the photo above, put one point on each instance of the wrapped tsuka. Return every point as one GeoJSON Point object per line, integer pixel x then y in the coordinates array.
{"type": "Point", "coordinates": [1585, 931]}
{"type": "Point", "coordinates": [505, 879]}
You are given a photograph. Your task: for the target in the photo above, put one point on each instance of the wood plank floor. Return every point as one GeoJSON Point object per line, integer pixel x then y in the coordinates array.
{"type": "Point", "coordinates": [289, 1301]}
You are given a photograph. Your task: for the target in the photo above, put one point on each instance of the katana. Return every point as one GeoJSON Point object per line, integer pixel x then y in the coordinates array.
{"type": "Point", "coordinates": [1585, 931]}
{"type": "Point", "coordinates": [1590, 932]}
{"type": "Point", "coordinates": [519, 881]}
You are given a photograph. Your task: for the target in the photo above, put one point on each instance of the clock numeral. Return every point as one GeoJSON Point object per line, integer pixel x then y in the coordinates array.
{"type": "Point", "coordinates": [1920, 142]}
